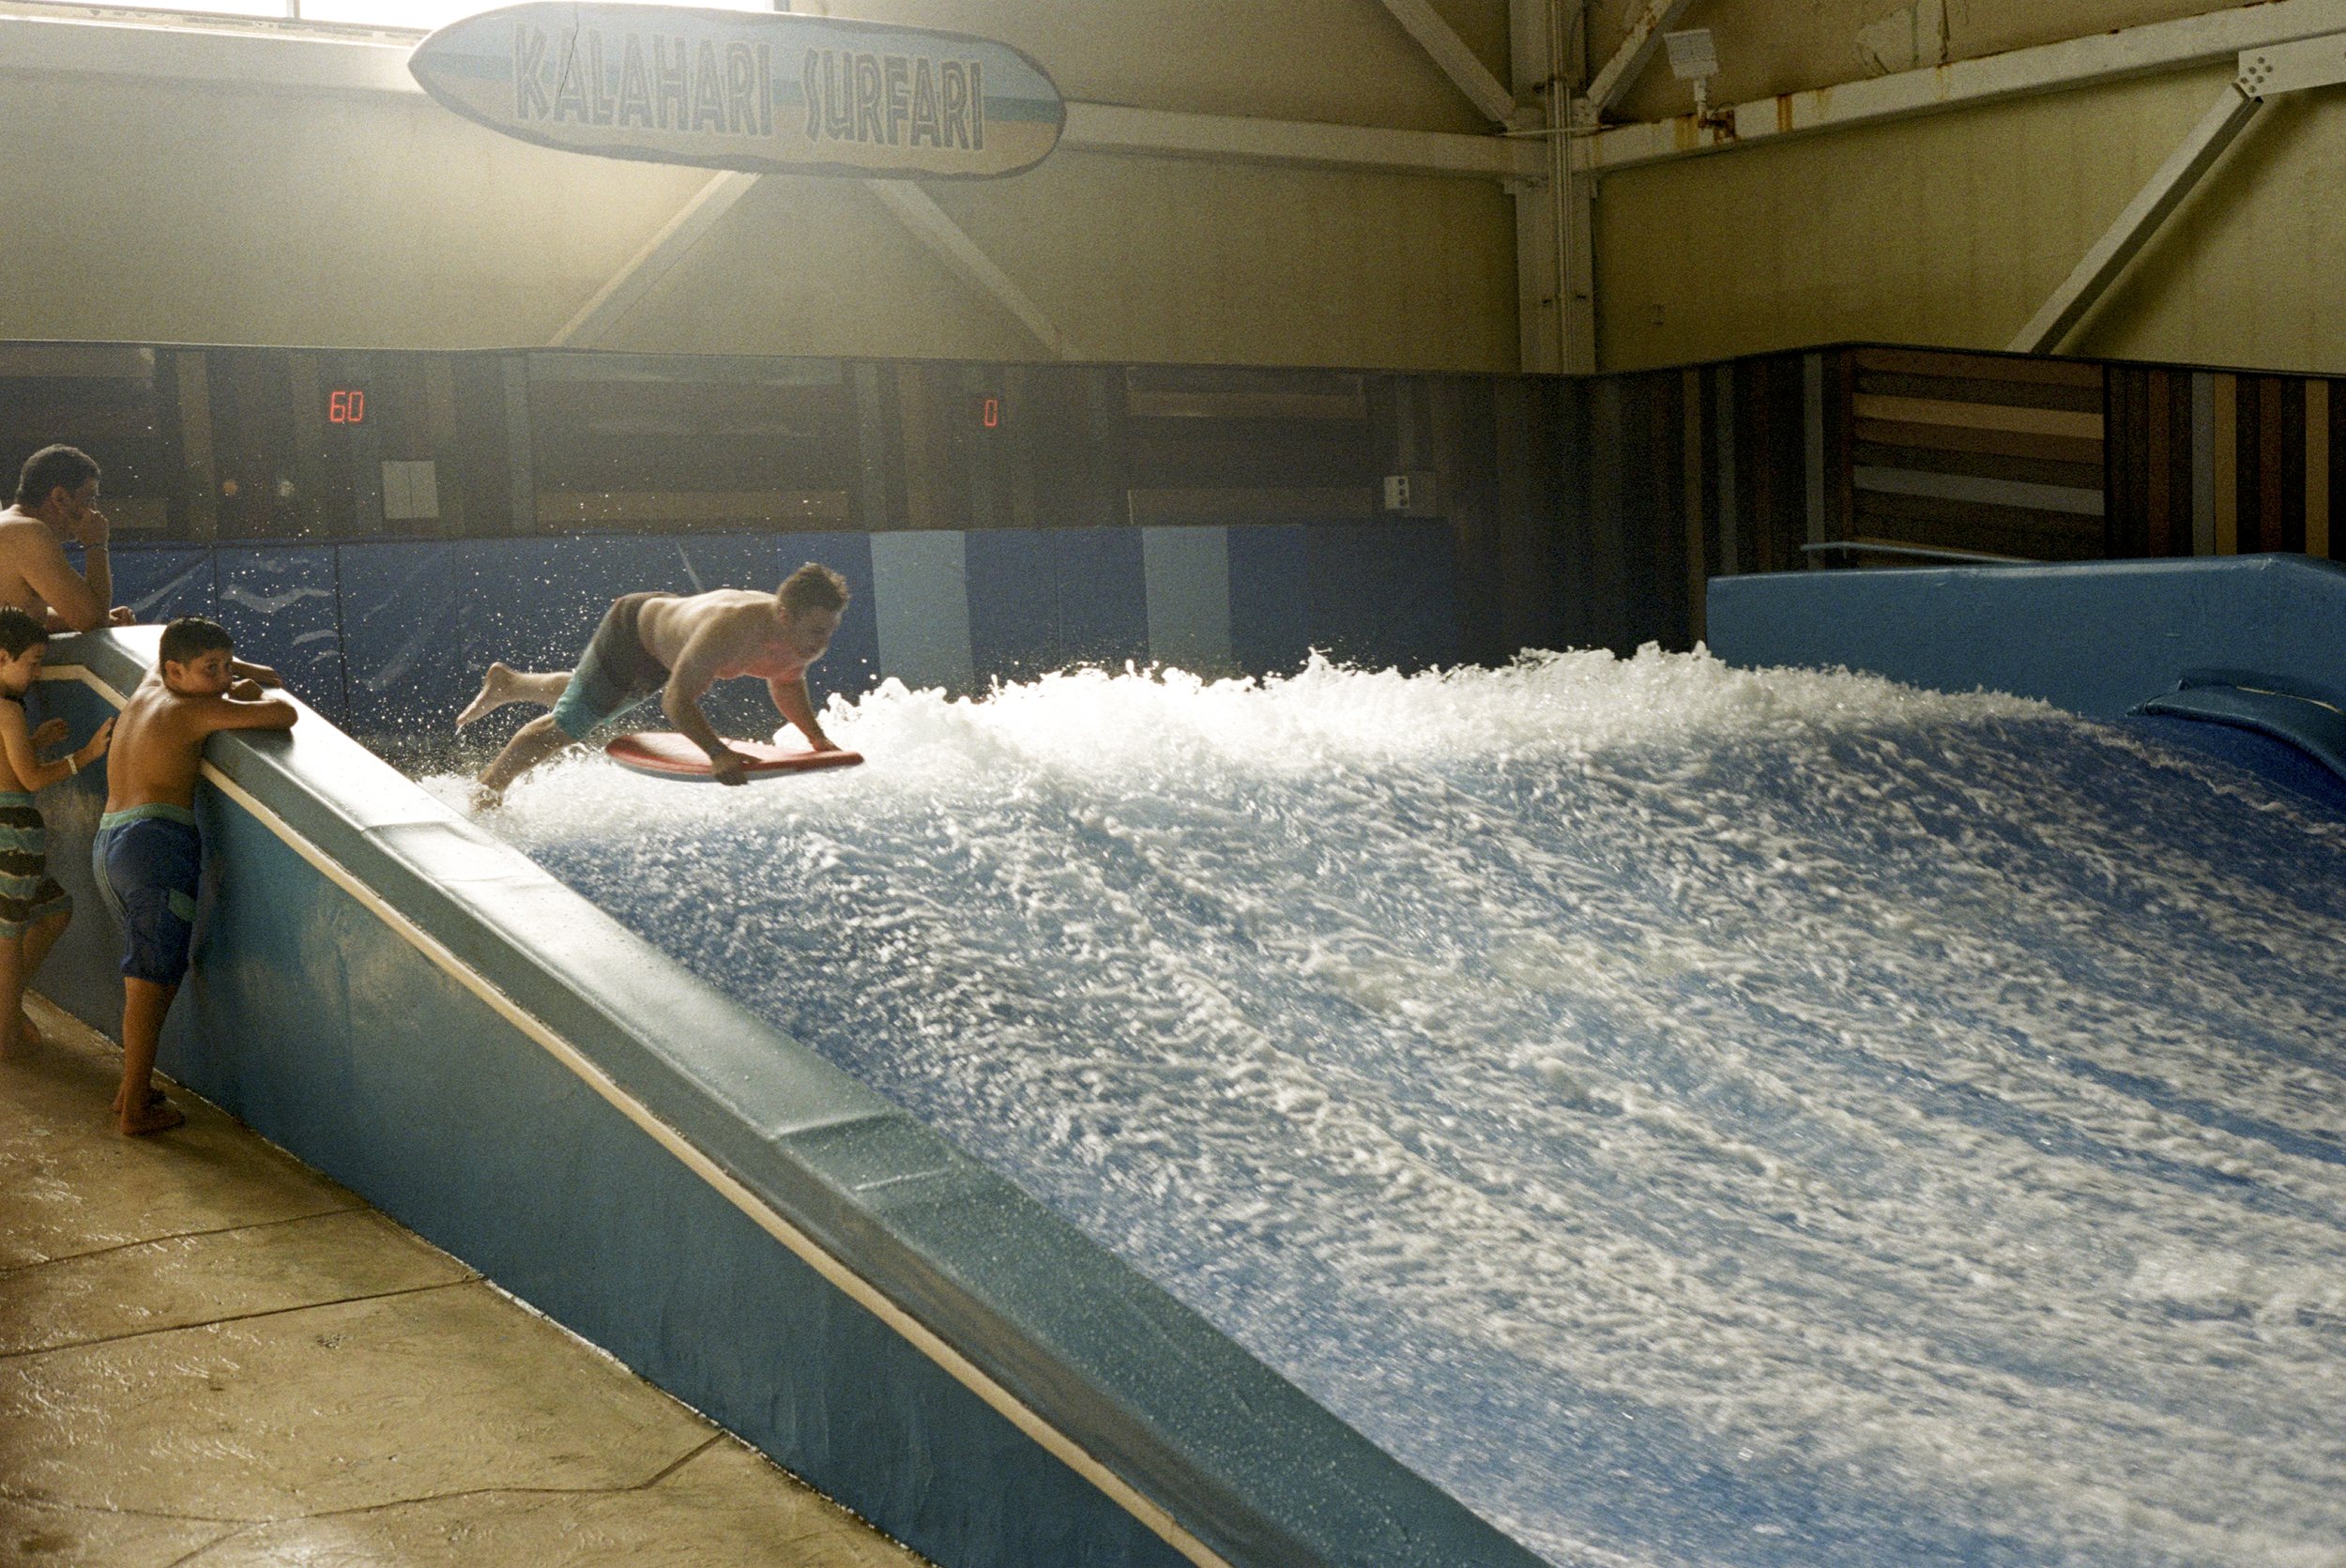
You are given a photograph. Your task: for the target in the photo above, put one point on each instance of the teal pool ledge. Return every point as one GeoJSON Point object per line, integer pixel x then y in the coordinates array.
{"type": "Point", "coordinates": [424, 1015]}
{"type": "Point", "coordinates": [2094, 638]}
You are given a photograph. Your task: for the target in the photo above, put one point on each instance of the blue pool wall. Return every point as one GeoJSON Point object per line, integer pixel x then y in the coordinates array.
{"type": "Point", "coordinates": [2096, 638]}
{"type": "Point", "coordinates": [328, 1008]}
{"type": "Point", "coordinates": [388, 636]}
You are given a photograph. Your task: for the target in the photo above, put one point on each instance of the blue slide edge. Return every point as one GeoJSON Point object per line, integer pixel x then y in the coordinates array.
{"type": "Point", "coordinates": [2096, 638]}
{"type": "Point", "coordinates": [2177, 639]}
{"type": "Point", "coordinates": [317, 1016]}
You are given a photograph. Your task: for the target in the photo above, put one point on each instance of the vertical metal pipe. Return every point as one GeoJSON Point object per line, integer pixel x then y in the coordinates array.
{"type": "Point", "coordinates": [2202, 464]}
{"type": "Point", "coordinates": [1724, 378]}
{"type": "Point", "coordinates": [2318, 469]}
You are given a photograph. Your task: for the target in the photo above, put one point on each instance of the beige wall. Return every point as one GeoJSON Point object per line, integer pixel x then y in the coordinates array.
{"type": "Point", "coordinates": [140, 209]}
{"type": "Point", "coordinates": [192, 212]}
{"type": "Point", "coordinates": [1768, 47]}
{"type": "Point", "coordinates": [1952, 229]}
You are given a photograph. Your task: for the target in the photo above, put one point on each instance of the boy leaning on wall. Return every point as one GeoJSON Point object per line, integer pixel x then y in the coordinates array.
{"type": "Point", "coordinates": [148, 856]}
{"type": "Point", "coordinates": [33, 908]}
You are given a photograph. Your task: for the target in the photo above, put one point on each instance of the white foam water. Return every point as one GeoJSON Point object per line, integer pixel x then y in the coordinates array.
{"type": "Point", "coordinates": [1691, 1115]}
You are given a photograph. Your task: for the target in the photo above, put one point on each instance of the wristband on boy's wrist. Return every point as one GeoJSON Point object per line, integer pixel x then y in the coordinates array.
{"type": "Point", "coordinates": [73, 763]}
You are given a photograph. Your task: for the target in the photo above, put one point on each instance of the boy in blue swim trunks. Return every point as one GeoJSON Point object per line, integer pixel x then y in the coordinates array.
{"type": "Point", "coordinates": [34, 910]}
{"type": "Point", "coordinates": [676, 646]}
{"type": "Point", "coordinates": [148, 856]}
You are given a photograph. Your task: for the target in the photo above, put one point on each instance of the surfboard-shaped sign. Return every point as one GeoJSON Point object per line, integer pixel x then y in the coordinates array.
{"type": "Point", "coordinates": [749, 90]}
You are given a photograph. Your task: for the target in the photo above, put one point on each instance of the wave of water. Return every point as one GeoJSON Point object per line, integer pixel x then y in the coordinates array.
{"type": "Point", "coordinates": [1691, 1115]}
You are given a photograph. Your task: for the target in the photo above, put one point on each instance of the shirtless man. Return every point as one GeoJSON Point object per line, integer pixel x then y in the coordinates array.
{"type": "Point", "coordinates": [57, 493]}
{"type": "Point", "coordinates": [678, 644]}
{"type": "Point", "coordinates": [148, 857]}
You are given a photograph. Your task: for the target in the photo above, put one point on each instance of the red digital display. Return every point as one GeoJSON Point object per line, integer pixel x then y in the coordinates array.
{"type": "Point", "coordinates": [347, 406]}
{"type": "Point", "coordinates": [990, 413]}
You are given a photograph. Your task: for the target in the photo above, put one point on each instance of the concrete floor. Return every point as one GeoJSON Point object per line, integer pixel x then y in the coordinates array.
{"type": "Point", "coordinates": [210, 1356]}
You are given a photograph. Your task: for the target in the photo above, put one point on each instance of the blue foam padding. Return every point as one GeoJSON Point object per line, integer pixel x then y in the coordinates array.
{"type": "Point", "coordinates": [1271, 600]}
{"type": "Point", "coordinates": [402, 637]}
{"type": "Point", "coordinates": [2096, 638]}
{"type": "Point", "coordinates": [395, 635]}
{"type": "Point", "coordinates": [164, 582]}
{"type": "Point", "coordinates": [533, 603]}
{"type": "Point", "coordinates": [1383, 594]}
{"type": "Point", "coordinates": [1013, 602]}
{"type": "Point", "coordinates": [2276, 762]}
{"type": "Point", "coordinates": [284, 606]}
{"type": "Point", "coordinates": [2310, 725]}
{"type": "Point", "coordinates": [1103, 591]}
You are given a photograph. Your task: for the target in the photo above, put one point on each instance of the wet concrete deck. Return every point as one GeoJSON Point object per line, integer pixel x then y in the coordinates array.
{"type": "Point", "coordinates": [212, 1357]}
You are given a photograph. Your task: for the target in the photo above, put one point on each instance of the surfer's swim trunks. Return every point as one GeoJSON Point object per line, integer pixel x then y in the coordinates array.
{"type": "Point", "coordinates": [147, 862]}
{"type": "Point", "coordinates": [615, 673]}
{"type": "Point", "coordinates": [28, 894]}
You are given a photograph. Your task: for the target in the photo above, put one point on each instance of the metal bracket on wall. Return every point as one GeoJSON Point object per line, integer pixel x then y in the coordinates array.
{"type": "Point", "coordinates": [2264, 74]}
{"type": "Point", "coordinates": [1629, 61]}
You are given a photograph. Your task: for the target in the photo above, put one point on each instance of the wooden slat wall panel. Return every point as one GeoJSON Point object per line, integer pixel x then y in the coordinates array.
{"type": "Point", "coordinates": [1984, 453]}
{"type": "Point", "coordinates": [2317, 468]}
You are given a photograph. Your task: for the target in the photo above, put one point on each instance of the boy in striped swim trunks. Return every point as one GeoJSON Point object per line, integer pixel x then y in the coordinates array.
{"type": "Point", "coordinates": [148, 856]}
{"type": "Point", "coordinates": [33, 908]}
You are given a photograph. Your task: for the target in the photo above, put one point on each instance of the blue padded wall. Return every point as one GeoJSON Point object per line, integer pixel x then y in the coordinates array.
{"type": "Point", "coordinates": [1013, 597]}
{"type": "Point", "coordinates": [282, 603]}
{"type": "Point", "coordinates": [2096, 638]}
{"type": "Point", "coordinates": [1103, 595]}
{"type": "Point", "coordinates": [1270, 623]}
{"type": "Point", "coordinates": [390, 637]}
{"type": "Point", "coordinates": [1382, 596]}
{"type": "Point", "coordinates": [402, 637]}
{"type": "Point", "coordinates": [163, 582]}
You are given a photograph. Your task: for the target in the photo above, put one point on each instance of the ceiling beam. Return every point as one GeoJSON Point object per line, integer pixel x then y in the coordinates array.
{"type": "Point", "coordinates": [2265, 73]}
{"type": "Point", "coordinates": [1629, 61]}
{"type": "Point", "coordinates": [2070, 304]}
{"type": "Point", "coordinates": [1106, 127]}
{"type": "Point", "coordinates": [2157, 47]}
{"type": "Point", "coordinates": [1464, 67]}
{"type": "Point", "coordinates": [950, 244]}
{"type": "Point", "coordinates": [51, 47]}
{"type": "Point", "coordinates": [658, 257]}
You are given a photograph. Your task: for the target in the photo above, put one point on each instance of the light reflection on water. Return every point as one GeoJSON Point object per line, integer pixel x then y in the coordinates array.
{"type": "Point", "coordinates": [1692, 1115]}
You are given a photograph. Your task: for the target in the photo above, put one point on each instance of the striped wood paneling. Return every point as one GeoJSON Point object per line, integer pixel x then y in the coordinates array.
{"type": "Point", "coordinates": [2212, 462]}
{"type": "Point", "coordinates": [1973, 451]}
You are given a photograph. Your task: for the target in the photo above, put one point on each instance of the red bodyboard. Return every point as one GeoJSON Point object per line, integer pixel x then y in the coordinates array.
{"type": "Point", "coordinates": [667, 754]}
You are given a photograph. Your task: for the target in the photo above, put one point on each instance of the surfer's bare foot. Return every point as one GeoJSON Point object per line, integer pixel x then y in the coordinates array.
{"type": "Point", "coordinates": [28, 1034]}
{"type": "Point", "coordinates": [486, 799]}
{"type": "Point", "coordinates": [150, 1117]}
{"type": "Point", "coordinates": [496, 690]}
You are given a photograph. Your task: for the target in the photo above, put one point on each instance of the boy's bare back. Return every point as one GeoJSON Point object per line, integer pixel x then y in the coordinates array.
{"type": "Point", "coordinates": [736, 631]}
{"type": "Point", "coordinates": [159, 738]}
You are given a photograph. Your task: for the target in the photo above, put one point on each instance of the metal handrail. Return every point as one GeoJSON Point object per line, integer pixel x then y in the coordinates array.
{"type": "Point", "coordinates": [1918, 552]}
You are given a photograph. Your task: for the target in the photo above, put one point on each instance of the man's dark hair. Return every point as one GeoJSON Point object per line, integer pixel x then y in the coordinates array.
{"type": "Point", "coordinates": [192, 636]}
{"type": "Point", "coordinates": [18, 631]}
{"type": "Point", "coordinates": [812, 587]}
{"type": "Point", "coordinates": [51, 468]}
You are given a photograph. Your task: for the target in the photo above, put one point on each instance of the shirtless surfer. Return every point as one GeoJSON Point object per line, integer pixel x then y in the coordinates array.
{"type": "Point", "coordinates": [678, 644]}
{"type": "Point", "coordinates": [57, 493]}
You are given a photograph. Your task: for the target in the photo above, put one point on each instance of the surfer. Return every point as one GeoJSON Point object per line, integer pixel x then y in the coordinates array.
{"type": "Point", "coordinates": [677, 645]}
